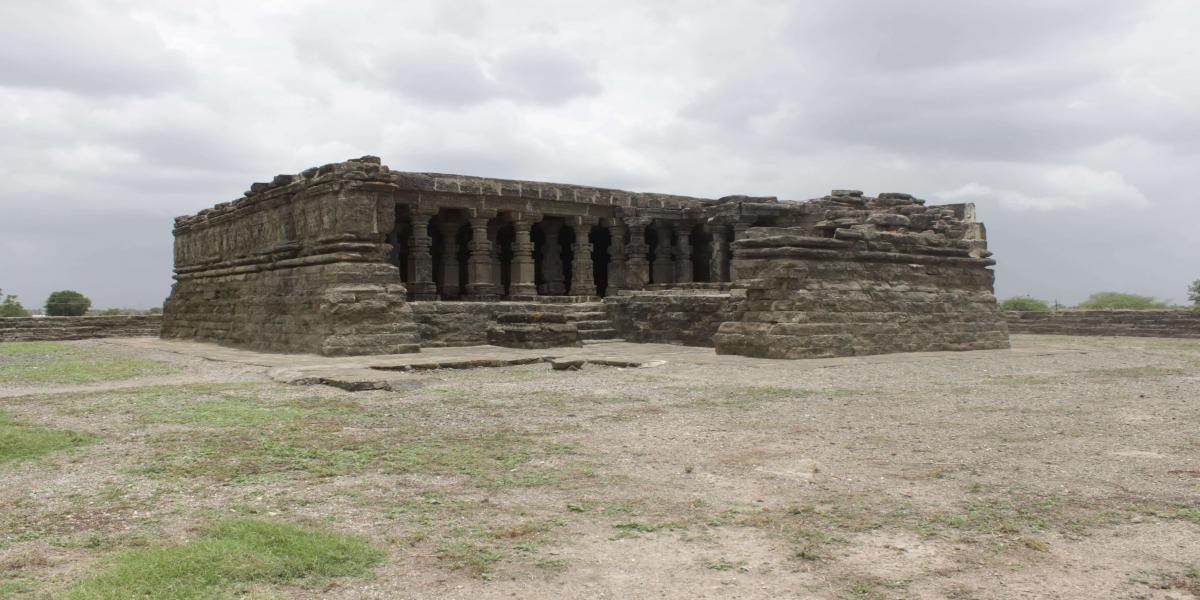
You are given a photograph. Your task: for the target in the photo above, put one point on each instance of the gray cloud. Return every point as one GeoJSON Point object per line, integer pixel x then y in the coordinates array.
{"type": "Point", "coordinates": [1072, 123]}
{"type": "Point", "coordinates": [83, 49]}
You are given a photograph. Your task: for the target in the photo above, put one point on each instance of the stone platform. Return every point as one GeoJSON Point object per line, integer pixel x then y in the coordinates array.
{"type": "Point", "coordinates": [404, 371]}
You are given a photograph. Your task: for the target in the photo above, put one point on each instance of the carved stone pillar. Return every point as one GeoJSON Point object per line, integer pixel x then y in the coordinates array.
{"type": "Point", "coordinates": [497, 269]}
{"type": "Point", "coordinates": [616, 259]}
{"type": "Point", "coordinates": [521, 273]}
{"type": "Point", "coordinates": [420, 258]}
{"type": "Point", "coordinates": [552, 272]}
{"type": "Point", "coordinates": [718, 264]}
{"type": "Point", "coordinates": [637, 268]}
{"type": "Point", "coordinates": [451, 269]}
{"type": "Point", "coordinates": [479, 263]}
{"type": "Point", "coordinates": [582, 281]}
{"type": "Point", "coordinates": [663, 268]}
{"type": "Point", "coordinates": [683, 257]}
{"type": "Point", "coordinates": [739, 233]}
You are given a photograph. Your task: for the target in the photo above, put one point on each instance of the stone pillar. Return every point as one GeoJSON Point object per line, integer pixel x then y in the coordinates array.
{"type": "Point", "coordinates": [739, 233]}
{"type": "Point", "coordinates": [420, 258]}
{"type": "Point", "coordinates": [683, 258]}
{"type": "Point", "coordinates": [582, 280]}
{"type": "Point", "coordinates": [616, 258]}
{"type": "Point", "coordinates": [479, 263]}
{"type": "Point", "coordinates": [451, 268]}
{"type": "Point", "coordinates": [552, 273]}
{"type": "Point", "coordinates": [718, 266]}
{"type": "Point", "coordinates": [663, 268]}
{"type": "Point", "coordinates": [497, 269]}
{"type": "Point", "coordinates": [637, 268]}
{"type": "Point", "coordinates": [521, 273]}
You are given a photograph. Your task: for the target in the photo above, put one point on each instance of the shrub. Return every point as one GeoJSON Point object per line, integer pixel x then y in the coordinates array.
{"type": "Point", "coordinates": [1026, 304]}
{"type": "Point", "coordinates": [67, 303]}
{"type": "Point", "coordinates": [1119, 301]}
{"type": "Point", "coordinates": [1194, 293]}
{"type": "Point", "coordinates": [110, 312]}
{"type": "Point", "coordinates": [11, 308]}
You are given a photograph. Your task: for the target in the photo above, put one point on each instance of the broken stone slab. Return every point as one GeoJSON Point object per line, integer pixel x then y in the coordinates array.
{"type": "Point", "coordinates": [567, 364]}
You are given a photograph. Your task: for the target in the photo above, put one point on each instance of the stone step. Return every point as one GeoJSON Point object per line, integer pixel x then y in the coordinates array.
{"type": "Point", "coordinates": [607, 341]}
{"type": "Point", "coordinates": [587, 316]}
{"type": "Point", "coordinates": [558, 299]}
{"type": "Point", "coordinates": [593, 325]}
{"type": "Point", "coordinates": [598, 334]}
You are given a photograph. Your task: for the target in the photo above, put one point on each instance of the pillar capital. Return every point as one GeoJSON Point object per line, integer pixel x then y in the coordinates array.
{"type": "Point", "coordinates": [526, 217]}
{"type": "Point", "coordinates": [421, 212]}
{"type": "Point", "coordinates": [638, 223]}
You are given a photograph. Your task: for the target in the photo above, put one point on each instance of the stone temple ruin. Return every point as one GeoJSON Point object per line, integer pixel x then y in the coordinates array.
{"type": "Point", "coordinates": [354, 258]}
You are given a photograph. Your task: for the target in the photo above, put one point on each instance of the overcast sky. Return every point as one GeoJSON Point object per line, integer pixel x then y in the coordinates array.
{"type": "Point", "coordinates": [1074, 125]}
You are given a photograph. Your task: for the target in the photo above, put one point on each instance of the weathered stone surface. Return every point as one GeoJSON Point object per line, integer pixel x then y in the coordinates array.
{"type": "Point", "coordinates": [533, 333]}
{"type": "Point", "coordinates": [672, 316]}
{"type": "Point", "coordinates": [887, 293]}
{"type": "Point", "coordinates": [350, 258]}
{"type": "Point", "coordinates": [24, 329]}
{"type": "Point", "coordinates": [1134, 323]}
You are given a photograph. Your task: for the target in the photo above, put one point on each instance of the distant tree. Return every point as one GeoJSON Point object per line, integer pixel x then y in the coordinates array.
{"type": "Point", "coordinates": [67, 303]}
{"type": "Point", "coordinates": [1120, 301]}
{"type": "Point", "coordinates": [154, 310]}
{"type": "Point", "coordinates": [1025, 303]}
{"type": "Point", "coordinates": [109, 312]}
{"type": "Point", "coordinates": [11, 308]}
{"type": "Point", "coordinates": [1194, 293]}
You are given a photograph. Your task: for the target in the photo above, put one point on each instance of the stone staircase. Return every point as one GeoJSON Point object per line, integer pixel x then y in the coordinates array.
{"type": "Point", "coordinates": [592, 321]}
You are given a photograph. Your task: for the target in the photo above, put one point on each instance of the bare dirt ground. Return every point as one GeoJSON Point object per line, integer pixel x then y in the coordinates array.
{"type": "Point", "coordinates": [1064, 468]}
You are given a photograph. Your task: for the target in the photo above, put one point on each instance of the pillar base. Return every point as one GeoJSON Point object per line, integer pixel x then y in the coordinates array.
{"type": "Point", "coordinates": [553, 289]}
{"type": "Point", "coordinates": [522, 290]}
{"type": "Point", "coordinates": [483, 292]}
{"type": "Point", "coordinates": [420, 291]}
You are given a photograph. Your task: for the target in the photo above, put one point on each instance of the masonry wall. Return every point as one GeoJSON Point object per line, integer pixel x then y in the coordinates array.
{"type": "Point", "coordinates": [1137, 323]}
{"type": "Point", "coordinates": [299, 265]}
{"type": "Point", "coordinates": [19, 329]}
{"type": "Point", "coordinates": [877, 280]}
{"type": "Point", "coordinates": [687, 317]}
{"type": "Point", "coordinates": [441, 324]}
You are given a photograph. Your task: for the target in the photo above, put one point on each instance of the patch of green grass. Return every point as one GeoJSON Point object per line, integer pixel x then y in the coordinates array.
{"type": "Point", "coordinates": [1019, 515]}
{"type": "Point", "coordinates": [1133, 372]}
{"type": "Point", "coordinates": [477, 559]}
{"type": "Point", "coordinates": [20, 441]}
{"type": "Point", "coordinates": [723, 564]}
{"type": "Point", "coordinates": [1167, 513]}
{"type": "Point", "coordinates": [551, 564]}
{"type": "Point", "coordinates": [227, 558]}
{"type": "Point", "coordinates": [12, 587]}
{"type": "Point", "coordinates": [50, 362]}
{"type": "Point", "coordinates": [487, 458]}
{"type": "Point", "coordinates": [201, 405]}
{"type": "Point", "coordinates": [647, 527]}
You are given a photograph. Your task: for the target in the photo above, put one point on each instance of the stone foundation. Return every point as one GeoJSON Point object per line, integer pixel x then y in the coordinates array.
{"type": "Point", "coordinates": [27, 329]}
{"type": "Point", "coordinates": [687, 317]}
{"type": "Point", "coordinates": [332, 309]}
{"type": "Point", "coordinates": [533, 330]}
{"type": "Point", "coordinates": [879, 280]}
{"type": "Point", "coordinates": [354, 258]}
{"type": "Point", "coordinates": [1135, 323]}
